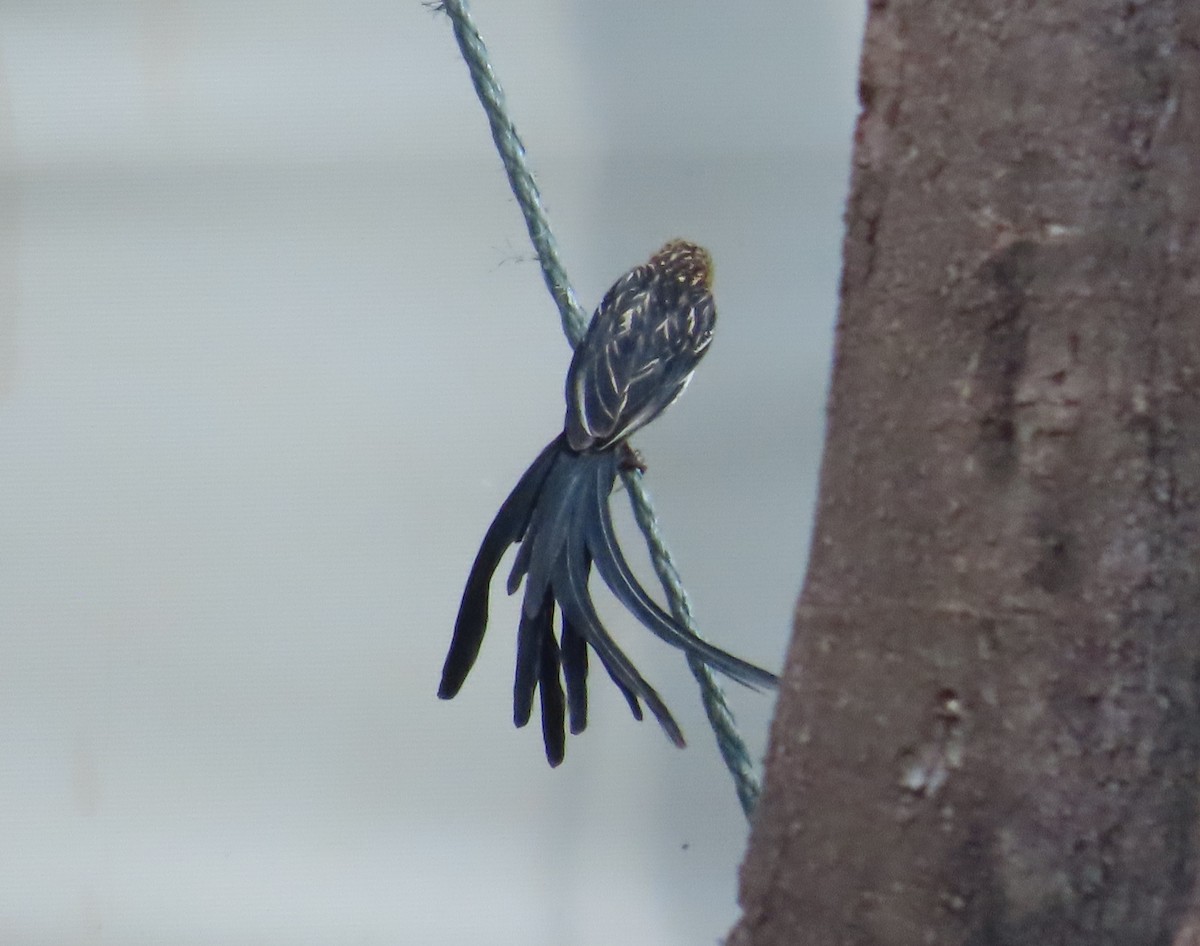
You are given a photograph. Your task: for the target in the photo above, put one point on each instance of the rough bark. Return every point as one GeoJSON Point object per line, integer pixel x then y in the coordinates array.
{"type": "Point", "coordinates": [989, 727]}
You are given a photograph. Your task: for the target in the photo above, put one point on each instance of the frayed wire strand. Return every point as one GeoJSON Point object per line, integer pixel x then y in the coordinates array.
{"type": "Point", "coordinates": [574, 323]}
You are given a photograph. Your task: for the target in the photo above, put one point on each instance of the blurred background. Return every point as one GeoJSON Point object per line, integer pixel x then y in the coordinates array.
{"type": "Point", "coordinates": [273, 348]}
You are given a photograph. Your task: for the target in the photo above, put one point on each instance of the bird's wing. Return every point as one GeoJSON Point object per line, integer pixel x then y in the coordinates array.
{"type": "Point", "coordinates": [640, 350]}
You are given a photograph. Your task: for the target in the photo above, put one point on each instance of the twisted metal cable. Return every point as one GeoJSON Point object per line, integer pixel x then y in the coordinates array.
{"type": "Point", "coordinates": [574, 322]}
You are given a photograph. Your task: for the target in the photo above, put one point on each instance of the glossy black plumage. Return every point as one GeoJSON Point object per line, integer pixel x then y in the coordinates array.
{"type": "Point", "coordinates": [640, 350]}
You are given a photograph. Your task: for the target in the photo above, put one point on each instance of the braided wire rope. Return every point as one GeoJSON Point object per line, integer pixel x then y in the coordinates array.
{"type": "Point", "coordinates": [574, 323]}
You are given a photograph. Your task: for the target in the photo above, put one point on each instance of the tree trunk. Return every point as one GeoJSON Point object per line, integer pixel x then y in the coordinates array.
{"type": "Point", "coordinates": [989, 727]}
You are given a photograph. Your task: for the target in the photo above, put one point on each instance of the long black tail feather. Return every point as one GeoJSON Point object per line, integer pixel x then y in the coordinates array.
{"type": "Point", "coordinates": [559, 514]}
{"type": "Point", "coordinates": [614, 569]}
{"type": "Point", "coordinates": [574, 670]}
{"type": "Point", "coordinates": [571, 591]}
{"type": "Point", "coordinates": [553, 707]}
{"type": "Point", "coordinates": [554, 526]}
{"type": "Point", "coordinates": [531, 636]}
{"type": "Point", "coordinates": [507, 528]}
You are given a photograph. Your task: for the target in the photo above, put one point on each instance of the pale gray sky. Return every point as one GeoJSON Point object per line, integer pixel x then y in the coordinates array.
{"type": "Point", "coordinates": [272, 351]}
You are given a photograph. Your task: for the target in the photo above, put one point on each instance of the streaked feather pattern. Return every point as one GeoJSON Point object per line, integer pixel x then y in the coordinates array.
{"type": "Point", "coordinates": [641, 348]}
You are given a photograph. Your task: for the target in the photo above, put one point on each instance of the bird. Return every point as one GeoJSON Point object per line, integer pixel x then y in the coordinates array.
{"type": "Point", "coordinates": [640, 350]}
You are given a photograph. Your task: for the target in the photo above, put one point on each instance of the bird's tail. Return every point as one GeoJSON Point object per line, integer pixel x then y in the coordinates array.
{"type": "Point", "coordinates": [559, 514]}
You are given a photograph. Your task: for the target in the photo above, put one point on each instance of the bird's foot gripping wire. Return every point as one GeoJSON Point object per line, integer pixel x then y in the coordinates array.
{"type": "Point", "coordinates": [632, 459]}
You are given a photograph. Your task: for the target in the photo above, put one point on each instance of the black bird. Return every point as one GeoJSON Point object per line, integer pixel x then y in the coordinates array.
{"type": "Point", "coordinates": [644, 341]}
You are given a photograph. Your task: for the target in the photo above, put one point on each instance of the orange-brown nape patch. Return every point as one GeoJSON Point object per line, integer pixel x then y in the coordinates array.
{"type": "Point", "coordinates": [686, 262]}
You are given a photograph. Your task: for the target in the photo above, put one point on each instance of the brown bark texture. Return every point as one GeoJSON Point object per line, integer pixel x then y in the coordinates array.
{"type": "Point", "coordinates": [989, 727]}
